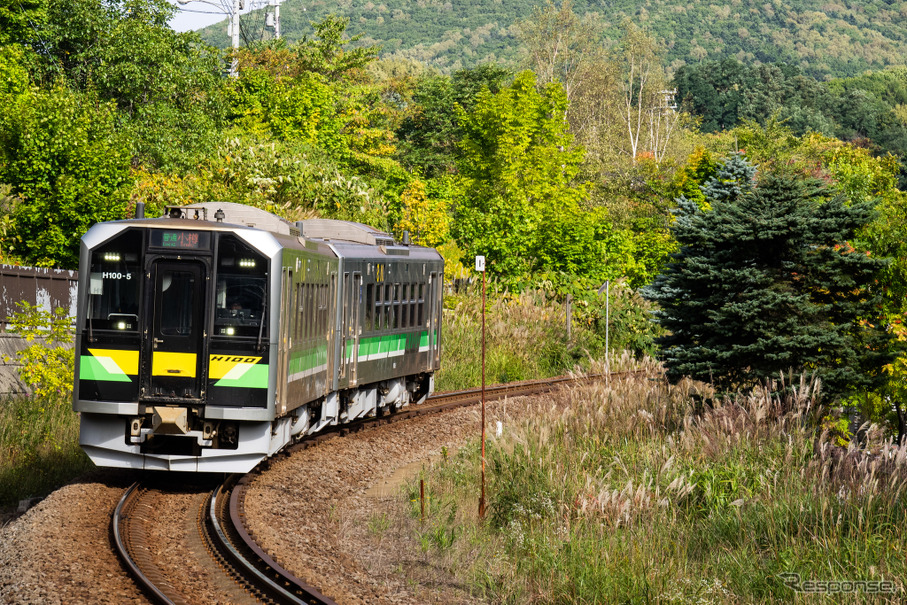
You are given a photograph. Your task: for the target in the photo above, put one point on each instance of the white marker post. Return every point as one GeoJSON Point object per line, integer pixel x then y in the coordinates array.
{"type": "Point", "coordinates": [480, 267]}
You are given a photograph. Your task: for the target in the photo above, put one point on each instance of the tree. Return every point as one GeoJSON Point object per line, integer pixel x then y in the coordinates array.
{"type": "Point", "coordinates": [642, 89]}
{"type": "Point", "coordinates": [767, 281]}
{"type": "Point", "coordinates": [562, 47]}
{"type": "Point", "coordinates": [61, 152]}
{"type": "Point", "coordinates": [520, 182]}
{"type": "Point", "coordinates": [165, 84]}
{"type": "Point", "coordinates": [429, 132]}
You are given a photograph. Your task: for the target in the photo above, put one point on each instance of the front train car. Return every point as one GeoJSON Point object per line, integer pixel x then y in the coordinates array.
{"type": "Point", "coordinates": [210, 338]}
{"type": "Point", "coordinates": [174, 359]}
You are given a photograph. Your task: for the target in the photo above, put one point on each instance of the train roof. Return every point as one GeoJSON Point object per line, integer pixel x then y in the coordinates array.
{"type": "Point", "coordinates": [344, 238]}
{"type": "Point", "coordinates": [256, 218]}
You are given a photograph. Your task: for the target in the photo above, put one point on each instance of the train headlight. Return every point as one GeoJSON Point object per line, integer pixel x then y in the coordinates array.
{"type": "Point", "coordinates": [247, 263]}
{"type": "Point", "coordinates": [121, 325]}
{"type": "Point", "coordinates": [229, 331]}
{"type": "Point", "coordinates": [112, 257]}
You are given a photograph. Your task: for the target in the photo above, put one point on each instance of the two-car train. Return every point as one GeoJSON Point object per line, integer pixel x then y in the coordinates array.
{"type": "Point", "coordinates": [211, 338]}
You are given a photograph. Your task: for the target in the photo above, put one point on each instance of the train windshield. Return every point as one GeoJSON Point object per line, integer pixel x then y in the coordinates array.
{"type": "Point", "coordinates": [241, 290]}
{"type": "Point", "coordinates": [113, 296]}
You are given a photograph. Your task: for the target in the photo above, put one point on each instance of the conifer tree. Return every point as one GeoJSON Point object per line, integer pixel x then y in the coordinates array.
{"type": "Point", "coordinates": [766, 281]}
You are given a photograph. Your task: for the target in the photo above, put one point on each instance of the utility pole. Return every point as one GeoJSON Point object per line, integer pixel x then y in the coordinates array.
{"type": "Point", "coordinates": [273, 18]}
{"type": "Point", "coordinates": [232, 24]}
{"type": "Point", "coordinates": [234, 37]}
{"type": "Point", "coordinates": [480, 267]}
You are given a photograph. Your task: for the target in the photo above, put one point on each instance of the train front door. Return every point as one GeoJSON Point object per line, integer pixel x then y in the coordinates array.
{"type": "Point", "coordinates": [176, 331]}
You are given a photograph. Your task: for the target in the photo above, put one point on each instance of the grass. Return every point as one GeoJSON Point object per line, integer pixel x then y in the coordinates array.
{"type": "Point", "coordinates": [637, 492]}
{"type": "Point", "coordinates": [525, 335]}
{"type": "Point", "coordinates": [39, 449]}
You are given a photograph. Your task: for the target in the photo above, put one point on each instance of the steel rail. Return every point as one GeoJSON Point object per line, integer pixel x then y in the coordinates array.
{"type": "Point", "coordinates": [123, 541]}
{"type": "Point", "coordinates": [247, 557]}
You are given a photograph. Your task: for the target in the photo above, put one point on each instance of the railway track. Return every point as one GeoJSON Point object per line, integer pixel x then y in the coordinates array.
{"type": "Point", "coordinates": [254, 573]}
{"type": "Point", "coordinates": [256, 576]}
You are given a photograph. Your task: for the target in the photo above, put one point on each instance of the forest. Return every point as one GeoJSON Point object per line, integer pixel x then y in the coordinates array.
{"type": "Point", "coordinates": [822, 39]}
{"type": "Point", "coordinates": [580, 165]}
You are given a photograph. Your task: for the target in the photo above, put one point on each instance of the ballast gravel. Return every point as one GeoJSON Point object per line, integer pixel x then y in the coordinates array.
{"type": "Point", "coordinates": [314, 511]}
{"type": "Point", "coordinates": [60, 552]}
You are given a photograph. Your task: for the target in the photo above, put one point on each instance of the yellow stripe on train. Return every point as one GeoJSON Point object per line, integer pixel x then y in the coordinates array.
{"type": "Point", "coordinates": [220, 366]}
{"type": "Point", "coordinates": [173, 364]}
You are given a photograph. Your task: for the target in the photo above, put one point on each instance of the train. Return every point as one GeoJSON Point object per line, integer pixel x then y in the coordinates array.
{"type": "Point", "coordinates": [210, 338]}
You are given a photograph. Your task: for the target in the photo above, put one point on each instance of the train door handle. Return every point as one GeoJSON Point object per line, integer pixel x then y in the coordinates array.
{"type": "Point", "coordinates": [158, 341]}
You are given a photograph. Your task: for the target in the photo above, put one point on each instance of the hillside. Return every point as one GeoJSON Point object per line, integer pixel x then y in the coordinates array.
{"type": "Point", "coordinates": [825, 38]}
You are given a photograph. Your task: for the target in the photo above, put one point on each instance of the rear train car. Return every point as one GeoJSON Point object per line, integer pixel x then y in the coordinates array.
{"type": "Point", "coordinates": [211, 338]}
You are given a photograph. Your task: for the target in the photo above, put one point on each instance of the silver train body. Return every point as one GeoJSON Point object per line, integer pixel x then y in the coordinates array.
{"type": "Point", "coordinates": [211, 338]}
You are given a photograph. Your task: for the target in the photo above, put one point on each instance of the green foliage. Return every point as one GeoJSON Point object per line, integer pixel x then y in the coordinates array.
{"type": "Point", "coordinates": [522, 207]}
{"type": "Point", "coordinates": [166, 85]}
{"type": "Point", "coordinates": [290, 179]}
{"type": "Point", "coordinates": [14, 78]}
{"type": "Point", "coordinates": [64, 157]}
{"type": "Point", "coordinates": [864, 109]}
{"type": "Point", "coordinates": [526, 338]}
{"type": "Point", "coordinates": [627, 316]}
{"type": "Point", "coordinates": [822, 39]}
{"type": "Point", "coordinates": [430, 130]}
{"type": "Point", "coordinates": [427, 219]}
{"type": "Point", "coordinates": [39, 445]}
{"type": "Point", "coordinates": [47, 365]}
{"type": "Point", "coordinates": [766, 281]}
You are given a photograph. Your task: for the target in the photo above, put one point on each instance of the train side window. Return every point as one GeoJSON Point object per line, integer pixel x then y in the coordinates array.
{"type": "Point", "coordinates": [306, 311]}
{"type": "Point", "coordinates": [388, 306]}
{"type": "Point", "coordinates": [413, 302]}
{"type": "Point", "coordinates": [369, 306]}
{"type": "Point", "coordinates": [301, 313]}
{"type": "Point", "coordinates": [324, 319]}
{"type": "Point", "coordinates": [404, 314]}
{"type": "Point", "coordinates": [312, 311]}
{"type": "Point", "coordinates": [421, 317]}
{"type": "Point", "coordinates": [378, 307]}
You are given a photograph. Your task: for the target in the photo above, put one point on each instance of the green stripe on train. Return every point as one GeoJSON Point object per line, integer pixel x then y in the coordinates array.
{"type": "Point", "coordinates": [255, 377]}
{"type": "Point", "coordinates": [91, 368]}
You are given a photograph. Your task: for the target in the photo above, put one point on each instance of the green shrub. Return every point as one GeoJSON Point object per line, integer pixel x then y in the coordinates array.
{"type": "Point", "coordinates": [39, 433]}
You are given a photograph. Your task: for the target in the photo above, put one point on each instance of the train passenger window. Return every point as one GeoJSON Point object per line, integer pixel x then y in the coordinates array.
{"type": "Point", "coordinates": [388, 304]}
{"type": "Point", "coordinates": [311, 310]}
{"type": "Point", "coordinates": [240, 290]}
{"type": "Point", "coordinates": [300, 304]}
{"type": "Point", "coordinates": [113, 296]}
{"type": "Point", "coordinates": [404, 307]}
{"type": "Point", "coordinates": [313, 316]}
{"type": "Point", "coordinates": [379, 307]}
{"type": "Point", "coordinates": [369, 306]}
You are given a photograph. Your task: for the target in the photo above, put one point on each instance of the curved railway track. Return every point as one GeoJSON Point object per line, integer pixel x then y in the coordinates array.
{"type": "Point", "coordinates": [225, 538]}
{"type": "Point", "coordinates": [221, 518]}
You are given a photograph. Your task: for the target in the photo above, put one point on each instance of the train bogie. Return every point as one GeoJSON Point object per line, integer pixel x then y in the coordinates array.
{"type": "Point", "coordinates": [208, 345]}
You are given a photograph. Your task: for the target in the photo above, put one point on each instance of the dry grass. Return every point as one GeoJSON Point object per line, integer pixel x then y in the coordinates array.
{"type": "Point", "coordinates": [639, 491]}
{"type": "Point", "coordinates": [525, 335]}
